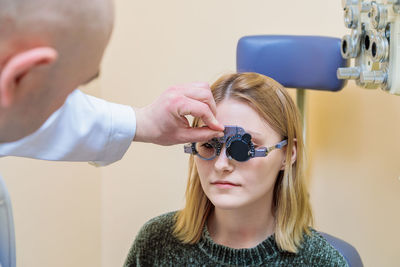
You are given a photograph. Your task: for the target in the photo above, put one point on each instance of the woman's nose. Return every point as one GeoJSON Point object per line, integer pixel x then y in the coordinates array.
{"type": "Point", "coordinates": [223, 163]}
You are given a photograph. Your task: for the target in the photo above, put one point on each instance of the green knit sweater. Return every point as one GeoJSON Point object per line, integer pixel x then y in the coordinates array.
{"type": "Point", "coordinates": [155, 245]}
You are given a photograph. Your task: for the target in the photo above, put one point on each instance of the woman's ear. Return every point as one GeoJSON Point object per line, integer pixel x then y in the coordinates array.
{"type": "Point", "coordinates": [293, 156]}
{"type": "Point", "coordinates": [20, 65]}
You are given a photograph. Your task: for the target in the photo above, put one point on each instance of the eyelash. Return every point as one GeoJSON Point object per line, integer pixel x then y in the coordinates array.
{"type": "Point", "coordinates": [207, 145]}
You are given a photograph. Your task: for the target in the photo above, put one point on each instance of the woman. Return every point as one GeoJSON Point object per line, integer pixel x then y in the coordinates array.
{"type": "Point", "coordinates": [246, 200]}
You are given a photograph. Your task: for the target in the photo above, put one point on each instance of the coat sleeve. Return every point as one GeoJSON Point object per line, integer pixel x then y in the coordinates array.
{"type": "Point", "coordinates": [85, 128]}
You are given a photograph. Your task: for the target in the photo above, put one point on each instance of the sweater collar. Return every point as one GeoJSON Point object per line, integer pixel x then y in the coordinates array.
{"type": "Point", "coordinates": [244, 256]}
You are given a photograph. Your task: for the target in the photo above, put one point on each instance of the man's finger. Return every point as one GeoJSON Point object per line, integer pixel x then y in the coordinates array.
{"type": "Point", "coordinates": [200, 94]}
{"type": "Point", "coordinates": [200, 110]}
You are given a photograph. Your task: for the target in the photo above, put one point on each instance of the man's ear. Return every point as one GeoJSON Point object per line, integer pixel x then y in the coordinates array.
{"type": "Point", "coordinates": [293, 157]}
{"type": "Point", "coordinates": [20, 65]}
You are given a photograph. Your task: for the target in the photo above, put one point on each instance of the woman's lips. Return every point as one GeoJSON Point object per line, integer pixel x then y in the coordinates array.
{"type": "Point", "coordinates": [224, 184]}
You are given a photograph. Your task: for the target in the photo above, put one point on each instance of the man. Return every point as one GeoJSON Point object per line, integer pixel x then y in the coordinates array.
{"type": "Point", "coordinates": [47, 49]}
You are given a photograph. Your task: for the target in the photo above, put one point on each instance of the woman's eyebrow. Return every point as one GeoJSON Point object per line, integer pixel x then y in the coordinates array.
{"type": "Point", "coordinates": [254, 134]}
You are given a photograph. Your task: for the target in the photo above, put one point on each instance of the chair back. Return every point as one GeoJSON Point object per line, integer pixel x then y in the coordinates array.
{"type": "Point", "coordinates": [302, 62]}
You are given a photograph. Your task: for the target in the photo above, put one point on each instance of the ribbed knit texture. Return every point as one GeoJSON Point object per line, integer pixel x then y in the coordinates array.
{"type": "Point", "coordinates": [155, 245]}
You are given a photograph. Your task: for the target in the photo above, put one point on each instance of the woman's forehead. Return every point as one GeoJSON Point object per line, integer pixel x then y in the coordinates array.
{"type": "Point", "coordinates": [238, 113]}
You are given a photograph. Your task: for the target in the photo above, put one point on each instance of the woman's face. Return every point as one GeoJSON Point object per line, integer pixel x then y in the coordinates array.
{"type": "Point", "coordinates": [230, 184]}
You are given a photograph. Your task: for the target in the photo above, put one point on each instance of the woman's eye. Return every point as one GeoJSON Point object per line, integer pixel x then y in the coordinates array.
{"type": "Point", "coordinates": [207, 145]}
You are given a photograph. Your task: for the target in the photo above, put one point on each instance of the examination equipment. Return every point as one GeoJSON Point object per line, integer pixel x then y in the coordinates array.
{"type": "Point", "coordinates": [373, 44]}
{"type": "Point", "coordinates": [238, 146]}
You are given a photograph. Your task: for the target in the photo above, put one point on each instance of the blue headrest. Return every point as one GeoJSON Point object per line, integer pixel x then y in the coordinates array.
{"type": "Point", "coordinates": [306, 62]}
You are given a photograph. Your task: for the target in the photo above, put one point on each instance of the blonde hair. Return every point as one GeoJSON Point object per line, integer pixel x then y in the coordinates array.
{"type": "Point", "coordinates": [291, 205]}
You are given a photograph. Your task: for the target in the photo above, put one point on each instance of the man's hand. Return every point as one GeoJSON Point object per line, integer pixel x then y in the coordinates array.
{"type": "Point", "coordinates": [163, 122]}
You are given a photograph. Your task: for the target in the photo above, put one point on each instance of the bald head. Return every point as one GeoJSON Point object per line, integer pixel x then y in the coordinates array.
{"type": "Point", "coordinates": [74, 35]}
{"type": "Point", "coordinates": [40, 16]}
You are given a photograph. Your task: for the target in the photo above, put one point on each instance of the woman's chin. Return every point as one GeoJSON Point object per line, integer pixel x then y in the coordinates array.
{"type": "Point", "coordinates": [227, 203]}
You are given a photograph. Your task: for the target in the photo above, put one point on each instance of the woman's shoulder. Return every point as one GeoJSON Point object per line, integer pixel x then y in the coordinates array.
{"type": "Point", "coordinates": [161, 225]}
{"type": "Point", "coordinates": [154, 239]}
{"type": "Point", "coordinates": [158, 229]}
{"type": "Point", "coordinates": [163, 220]}
{"type": "Point", "coordinates": [320, 252]}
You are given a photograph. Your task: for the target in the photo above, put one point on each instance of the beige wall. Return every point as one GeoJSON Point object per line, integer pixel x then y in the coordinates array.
{"type": "Point", "coordinates": [65, 211]}
{"type": "Point", "coordinates": [354, 142]}
{"type": "Point", "coordinates": [56, 212]}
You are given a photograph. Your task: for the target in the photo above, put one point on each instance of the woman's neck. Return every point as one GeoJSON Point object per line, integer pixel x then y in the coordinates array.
{"type": "Point", "coordinates": [241, 228]}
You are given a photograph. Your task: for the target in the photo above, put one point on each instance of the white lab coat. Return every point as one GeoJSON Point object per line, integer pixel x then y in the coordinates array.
{"type": "Point", "coordinates": [85, 128]}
